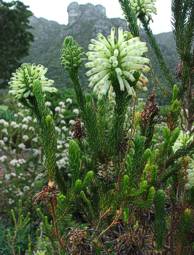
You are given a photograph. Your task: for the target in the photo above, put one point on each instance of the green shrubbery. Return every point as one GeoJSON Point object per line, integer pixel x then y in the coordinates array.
{"type": "Point", "coordinates": [120, 179]}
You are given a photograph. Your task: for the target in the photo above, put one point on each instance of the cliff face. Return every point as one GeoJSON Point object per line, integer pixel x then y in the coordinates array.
{"type": "Point", "coordinates": [85, 22]}
{"type": "Point", "coordinates": [87, 12]}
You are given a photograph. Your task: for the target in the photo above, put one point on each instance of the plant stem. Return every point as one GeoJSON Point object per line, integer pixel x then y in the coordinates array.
{"type": "Point", "coordinates": [187, 94]}
{"type": "Point", "coordinates": [48, 137]}
{"type": "Point", "coordinates": [119, 119]}
{"type": "Point", "coordinates": [130, 17]}
{"type": "Point", "coordinates": [78, 90]}
{"type": "Point", "coordinates": [166, 72]}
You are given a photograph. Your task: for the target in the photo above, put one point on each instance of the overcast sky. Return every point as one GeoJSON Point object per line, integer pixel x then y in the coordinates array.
{"type": "Point", "coordinates": [57, 10]}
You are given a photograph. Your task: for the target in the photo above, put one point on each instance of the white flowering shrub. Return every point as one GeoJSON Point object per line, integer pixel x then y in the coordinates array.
{"type": "Point", "coordinates": [19, 152]}
{"type": "Point", "coordinates": [21, 173]}
{"type": "Point", "coordinates": [109, 176]}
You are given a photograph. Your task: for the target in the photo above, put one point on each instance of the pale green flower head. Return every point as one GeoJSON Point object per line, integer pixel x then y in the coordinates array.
{"type": "Point", "coordinates": [117, 58]}
{"type": "Point", "coordinates": [22, 81]}
{"type": "Point", "coordinates": [144, 7]}
{"type": "Point", "coordinates": [182, 140]}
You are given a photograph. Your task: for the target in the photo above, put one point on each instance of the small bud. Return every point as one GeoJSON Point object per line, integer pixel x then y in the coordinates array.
{"type": "Point", "coordinates": [88, 178]}
{"type": "Point", "coordinates": [125, 183]}
{"type": "Point", "coordinates": [147, 154]}
{"type": "Point", "coordinates": [78, 185]}
{"type": "Point", "coordinates": [49, 120]}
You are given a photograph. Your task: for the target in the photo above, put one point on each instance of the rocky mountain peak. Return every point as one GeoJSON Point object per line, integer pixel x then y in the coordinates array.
{"type": "Point", "coordinates": [86, 11]}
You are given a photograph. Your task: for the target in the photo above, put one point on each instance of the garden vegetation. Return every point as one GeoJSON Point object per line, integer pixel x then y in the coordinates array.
{"type": "Point", "coordinates": [106, 173]}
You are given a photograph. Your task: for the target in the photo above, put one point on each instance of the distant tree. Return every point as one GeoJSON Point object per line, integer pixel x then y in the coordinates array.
{"type": "Point", "coordinates": [15, 37]}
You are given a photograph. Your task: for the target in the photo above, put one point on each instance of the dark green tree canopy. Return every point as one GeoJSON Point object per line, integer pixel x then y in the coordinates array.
{"type": "Point", "coordinates": [15, 37]}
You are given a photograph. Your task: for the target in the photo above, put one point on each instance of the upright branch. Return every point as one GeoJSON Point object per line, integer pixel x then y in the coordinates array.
{"type": "Point", "coordinates": [118, 134]}
{"type": "Point", "coordinates": [130, 17]}
{"type": "Point", "coordinates": [183, 28]}
{"type": "Point", "coordinates": [116, 70]}
{"type": "Point", "coordinates": [163, 65]}
{"type": "Point", "coordinates": [30, 86]}
{"type": "Point", "coordinates": [71, 59]}
{"type": "Point", "coordinates": [143, 10]}
{"type": "Point", "coordinates": [148, 119]}
{"type": "Point", "coordinates": [48, 133]}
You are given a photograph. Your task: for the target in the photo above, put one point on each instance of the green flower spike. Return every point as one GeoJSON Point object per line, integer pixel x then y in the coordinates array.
{"type": "Point", "coordinates": [72, 53]}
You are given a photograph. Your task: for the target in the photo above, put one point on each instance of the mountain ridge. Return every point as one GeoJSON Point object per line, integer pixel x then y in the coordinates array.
{"type": "Point", "coordinates": [85, 22]}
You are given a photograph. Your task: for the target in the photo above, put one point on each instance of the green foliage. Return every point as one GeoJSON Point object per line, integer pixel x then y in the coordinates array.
{"type": "Point", "coordinates": [102, 129]}
{"type": "Point", "coordinates": [47, 131]}
{"type": "Point", "coordinates": [47, 228]}
{"type": "Point", "coordinates": [5, 113]}
{"type": "Point", "coordinates": [130, 17]}
{"type": "Point", "coordinates": [15, 36]}
{"type": "Point", "coordinates": [17, 237]}
{"type": "Point", "coordinates": [124, 177]}
{"type": "Point", "coordinates": [146, 203]}
{"type": "Point", "coordinates": [74, 159]}
{"type": "Point", "coordinates": [88, 179]}
{"type": "Point", "coordinates": [91, 125]}
{"type": "Point", "coordinates": [162, 62]}
{"type": "Point", "coordinates": [160, 218]}
{"type": "Point", "coordinates": [186, 225]}
{"type": "Point", "coordinates": [4, 248]}
{"type": "Point", "coordinates": [122, 101]}
{"type": "Point", "coordinates": [183, 24]}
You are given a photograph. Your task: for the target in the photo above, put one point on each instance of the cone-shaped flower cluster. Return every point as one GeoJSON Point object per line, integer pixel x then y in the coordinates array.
{"type": "Point", "coordinates": [22, 81]}
{"type": "Point", "coordinates": [117, 60]}
{"type": "Point", "coordinates": [72, 53]}
{"type": "Point", "coordinates": [144, 7]}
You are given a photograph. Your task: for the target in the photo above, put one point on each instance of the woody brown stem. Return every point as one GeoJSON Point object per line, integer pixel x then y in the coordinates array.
{"type": "Point", "coordinates": [56, 230]}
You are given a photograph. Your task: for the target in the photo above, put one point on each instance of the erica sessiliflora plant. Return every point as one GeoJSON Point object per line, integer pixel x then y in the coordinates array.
{"type": "Point", "coordinates": [29, 85]}
{"type": "Point", "coordinates": [116, 68]}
